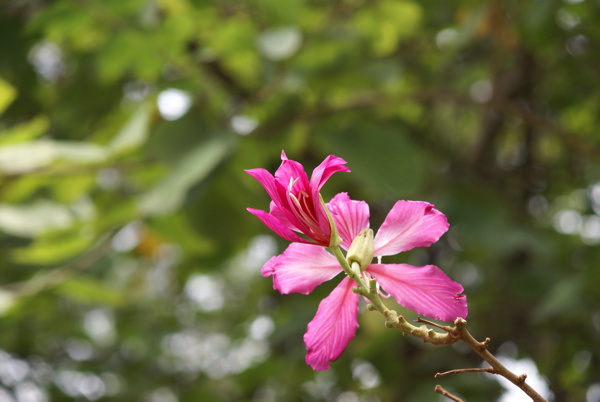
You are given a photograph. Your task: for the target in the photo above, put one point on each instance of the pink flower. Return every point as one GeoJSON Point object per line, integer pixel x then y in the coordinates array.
{"type": "Point", "coordinates": [426, 290]}
{"type": "Point", "coordinates": [296, 204]}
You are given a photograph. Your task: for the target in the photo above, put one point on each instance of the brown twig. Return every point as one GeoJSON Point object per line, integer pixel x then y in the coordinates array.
{"type": "Point", "coordinates": [481, 348]}
{"type": "Point", "coordinates": [460, 332]}
{"type": "Point", "coordinates": [453, 334]}
{"type": "Point", "coordinates": [369, 289]}
{"type": "Point", "coordinates": [442, 391]}
{"type": "Point", "coordinates": [467, 370]}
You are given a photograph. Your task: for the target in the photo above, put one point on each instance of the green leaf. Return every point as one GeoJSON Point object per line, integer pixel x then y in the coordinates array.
{"type": "Point", "coordinates": [387, 23]}
{"type": "Point", "coordinates": [25, 157]}
{"type": "Point", "coordinates": [7, 301]}
{"type": "Point", "coordinates": [394, 169]}
{"type": "Point", "coordinates": [8, 93]}
{"type": "Point", "coordinates": [91, 291]}
{"type": "Point", "coordinates": [194, 167]}
{"type": "Point", "coordinates": [25, 131]}
{"type": "Point", "coordinates": [280, 12]}
{"type": "Point", "coordinates": [20, 158]}
{"type": "Point", "coordinates": [133, 133]}
{"type": "Point", "coordinates": [34, 219]}
{"type": "Point", "coordinates": [54, 249]}
{"type": "Point", "coordinates": [562, 299]}
{"type": "Point", "coordinates": [79, 152]}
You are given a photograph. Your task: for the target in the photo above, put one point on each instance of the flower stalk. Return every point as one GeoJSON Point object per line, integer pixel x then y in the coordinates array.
{"type": "Point", "coordinates": [450, 335]}
{"type": "Point", "coordinates": [393, 320]}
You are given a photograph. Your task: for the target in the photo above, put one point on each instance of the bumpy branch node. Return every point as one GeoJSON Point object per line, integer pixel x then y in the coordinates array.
{"type": "Point", "coordinates": [481, 348]}
{"type": "Point", "coordinates": [442, 391]}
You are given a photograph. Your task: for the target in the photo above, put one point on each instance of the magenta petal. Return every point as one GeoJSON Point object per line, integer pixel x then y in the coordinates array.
{"type": "Point", "coordinates": [350, 217]}
{"type": "Point", "coordinates": [426, 290]}
{"type": "Point", "coordinates": [281, 216]}
{"type": "Point", "coordinates": [296, 204]}
{"type": "Point", "coordinates": [332, 164]}
{"type": "Point", "coordinates": [277, 226]}
{"type": "Point", "coordinates": [291, 171]}
{"type": "Point", "coordinates": [409, 224]}
{"type": "Point", "coordinates": [333, 327]}
{"type": "Point", "coordinates": [267, 180]}
{"type": "Point", "coordinates": [301, 268]}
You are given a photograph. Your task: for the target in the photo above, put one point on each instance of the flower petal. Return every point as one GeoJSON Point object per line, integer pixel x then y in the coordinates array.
{"type": "Point", "coordinates": [277, 226]}
{"type": "Point", "coordinates": [426, 290]}
{"type": "Point", "coordinates": [281, 216]}
{"type": "Point", "coordinates": [333, 327]}
{"type": "Point", "coordinates": [409, 224]}
{"type": "Point", "coordinates": [296, 203]}
{"type": "Point", "coordinates": [291, 171]}
{"type": "Point", "coordinates": [332, 164]}
{"type": "Point", "coordinates": [301, 268]}
{"type": "Point", "coordinates": [350, 217]}
{"type": "Point", "coordinates": [266, 179]}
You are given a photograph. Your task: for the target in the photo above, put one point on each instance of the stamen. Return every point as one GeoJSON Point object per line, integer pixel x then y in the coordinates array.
{"type": "Point", "coordinates": [306, 206]}
{"type": "Point", "coordinates": [382, 292]}
{"type": "Point", "coordinates": [292, 183]}
{"type": "Point", "coordinates": [300, 213]}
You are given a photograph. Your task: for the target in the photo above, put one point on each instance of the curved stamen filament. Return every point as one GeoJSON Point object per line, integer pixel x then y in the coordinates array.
{"type": "Point", "coordinates": [306, 206]}
{"type": "Point", "coordinates": [292, 183]}
{"type": "Point", "coordinates": [303, 214]}
{"type": "Point", "coordinates": [382, 292]}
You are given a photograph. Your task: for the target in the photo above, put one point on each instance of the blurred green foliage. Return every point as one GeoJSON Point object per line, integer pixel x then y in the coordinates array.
{"type": "Point", "coordinates": [130, 268]}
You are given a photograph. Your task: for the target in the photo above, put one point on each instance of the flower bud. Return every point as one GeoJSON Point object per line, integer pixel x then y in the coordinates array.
{"type": "Point", "coordinates": [362, 249]}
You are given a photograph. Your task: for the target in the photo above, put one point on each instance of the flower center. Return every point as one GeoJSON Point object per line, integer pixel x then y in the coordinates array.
{"type": "Point", "coordinates": [302, 209]}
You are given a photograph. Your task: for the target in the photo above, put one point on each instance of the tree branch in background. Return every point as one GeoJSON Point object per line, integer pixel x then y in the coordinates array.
{"type": "Point", "coordinates": [481, 348]}
{"type": "Point", "coordinates": [217, 70]}
{"type": "Point", "coordinates": [509, 107]}
{"type": "Point", "coordinates": [543, 124]}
